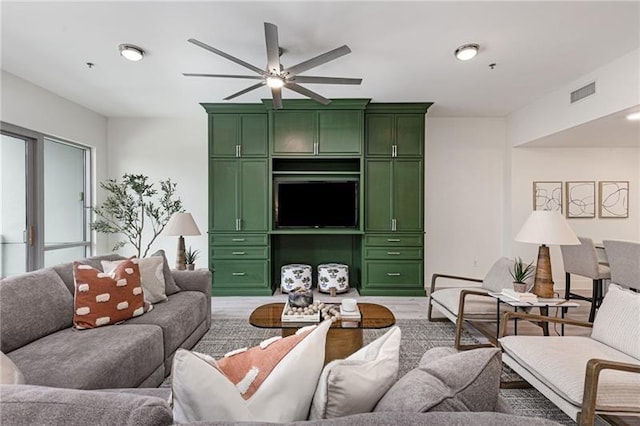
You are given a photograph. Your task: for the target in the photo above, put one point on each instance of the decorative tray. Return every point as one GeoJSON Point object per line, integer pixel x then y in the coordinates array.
{"type": "Point", "coordinates": [298, 317]}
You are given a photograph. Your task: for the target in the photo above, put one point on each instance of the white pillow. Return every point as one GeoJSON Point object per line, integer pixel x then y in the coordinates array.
{"type": "Point", "coordinates": [151, 276]}
{"type": "Point", "coordinates": [274, 381]}
{"type": "Point", "coordinates": [356, 384]}
{"type": "Point", "coordinates": [9, 372]}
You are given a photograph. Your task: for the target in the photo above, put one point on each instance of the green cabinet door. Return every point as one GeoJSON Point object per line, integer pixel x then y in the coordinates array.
{"type": "Point", "coordinates": [409, 135]}
{"type": "Point", "coordinates": [408, 201]}
{"type": "Point", "coordinates": [253, 195]}
{"type": "Point", "coordinates": [339, 132]}
{"type": "Point", "coordinates": [294, 132]}
{"type": "Point", "coordinates": [223, 190]}
{"type": "Point", "coordinates": [238, 135]}
{"type": "Point", "coordinates": [379, 134]}
{"type": "Point", "coordinates": [378, 195]}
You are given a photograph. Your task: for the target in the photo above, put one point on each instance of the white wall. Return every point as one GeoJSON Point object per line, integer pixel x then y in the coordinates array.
{"type": "Point", "coordinates": [573, 164]}
{"type": "Point", "coordinates": [32, 107]}
{"type": "Point", "coordinates": [466, 168]}
{"type": "Point", "coordinates": [164, 148]}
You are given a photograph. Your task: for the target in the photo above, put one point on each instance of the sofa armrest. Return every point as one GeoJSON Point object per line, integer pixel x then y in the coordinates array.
{"type": "Point", "coordinates": [592, 376]}
{"type": "Point", "coordinates": [434, 277]}
{"type": "Point", "coordinates": [538, 318]}
{"type": "Point", "coordinates": [460, 320]}
{"type": "Point", "coordinates": [198, 280]}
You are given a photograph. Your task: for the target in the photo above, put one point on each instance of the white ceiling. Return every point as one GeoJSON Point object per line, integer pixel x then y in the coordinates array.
{"type": "Point", "coordinates": [402, 50]}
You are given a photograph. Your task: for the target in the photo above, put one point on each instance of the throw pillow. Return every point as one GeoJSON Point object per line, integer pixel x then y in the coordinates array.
{"type": "Point", "coordinates": [101, 298]}
{"type": "Point", "coordinates": [170, 282]}
{"type": "Point", "coordinates": [355, 384]}
{"type": "Point", "coordinates": [151, 276]}
{"type": "Point", "coordinates": [272, 382]}
{"type": "Point", "coordinates": [617, 324]}
{"type": "Point", "coordinates": [9, 372]}
{"type": "Point", "coordinates": [447, 380]}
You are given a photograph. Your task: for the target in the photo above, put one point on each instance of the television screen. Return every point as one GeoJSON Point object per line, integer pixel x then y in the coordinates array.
{"type": "Point", "coordinates": [316, 204]}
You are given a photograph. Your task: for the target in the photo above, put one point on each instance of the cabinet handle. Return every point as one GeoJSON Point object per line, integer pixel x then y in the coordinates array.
{"type": "Point", "coordinates": [393, 253]}
{"type": "Point", "coordinates": [238, 274]}
{"type": "Point", "coordinates": [237, 150]}
{"type": "Point", "coordinates": [393, 225]}
{"type": "Point", "coordinates": [238, 224]}
{"type": "Point", "coordinates": [238, 253]}
{"type": "Point", "coordinates": [393, 274]}
{"type": "Point", "coordinates": [238, 240]}
{"type": "Point", "coordinates": [394, 150]}
{"type": "Point", "coordinates": [315, 148]}
{"type": "Point", "coordinates": [393, 240]}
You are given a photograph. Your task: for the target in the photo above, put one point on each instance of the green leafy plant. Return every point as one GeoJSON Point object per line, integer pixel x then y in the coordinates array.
{"type": "Point", "coordinates": [133, 206]}
{"type": "Point", "coordinates": [191, 256]}
{"type": "Point", "coordinates": [521, 271]}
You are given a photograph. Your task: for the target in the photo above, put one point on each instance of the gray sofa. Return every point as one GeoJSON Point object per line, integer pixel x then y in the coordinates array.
{"type": "Point", "coordinates": [36, 333]}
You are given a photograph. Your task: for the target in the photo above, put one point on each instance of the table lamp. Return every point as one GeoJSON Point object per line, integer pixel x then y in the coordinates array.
{"type": "Point", "coordinates": [181, 224]}
{"type": "Point", "coordinates": [546, 228]}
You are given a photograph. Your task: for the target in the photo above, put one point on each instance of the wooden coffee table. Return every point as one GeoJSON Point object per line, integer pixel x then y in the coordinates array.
{"type": "Point", "coordinates": [343, 338]}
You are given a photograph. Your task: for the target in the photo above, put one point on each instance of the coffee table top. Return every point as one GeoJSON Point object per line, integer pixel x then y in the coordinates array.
{"type": "Point", "coordinates": [373, 316]}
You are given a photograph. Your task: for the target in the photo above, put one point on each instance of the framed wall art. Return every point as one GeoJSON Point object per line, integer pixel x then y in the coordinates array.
{"type": "Point", "coordinates": [581, 199]}
{"type": "Point", "coordinates": [614, 199]}
{"type": "Point", "coordinates": [547, 195]}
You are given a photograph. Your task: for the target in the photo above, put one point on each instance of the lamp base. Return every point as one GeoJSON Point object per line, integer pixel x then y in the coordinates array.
{"type": "Point", "coordinates": [181, 261]}
{"type": "Point", "coordinates": [543, 284]}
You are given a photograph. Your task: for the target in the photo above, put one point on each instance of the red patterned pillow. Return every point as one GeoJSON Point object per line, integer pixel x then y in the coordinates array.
{"type": "Point", "coordinates": [106, 298]}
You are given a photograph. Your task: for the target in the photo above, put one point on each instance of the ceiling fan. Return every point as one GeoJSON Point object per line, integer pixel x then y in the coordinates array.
{"type": "Point", "coordinates": [275, 75]}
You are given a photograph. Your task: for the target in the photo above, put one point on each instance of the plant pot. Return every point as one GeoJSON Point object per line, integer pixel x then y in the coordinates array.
{"type": "Point", "coordinates": [518, 287]}
{"type": "Point", "coordinates": [191, 266]}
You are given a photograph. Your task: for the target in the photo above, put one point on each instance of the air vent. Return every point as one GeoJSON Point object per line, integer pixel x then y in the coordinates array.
{"type": "Point", "coordinates": [583, 92]}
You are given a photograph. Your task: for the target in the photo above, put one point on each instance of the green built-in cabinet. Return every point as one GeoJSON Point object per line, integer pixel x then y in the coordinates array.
{"type": "Point", "coordinates": [380, 145]}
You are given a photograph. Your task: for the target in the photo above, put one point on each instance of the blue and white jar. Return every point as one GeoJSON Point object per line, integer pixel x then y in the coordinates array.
{"type": "Point", "coordinates": [295, 276]}
{"type": "Point", "coordinates": [333, 277]}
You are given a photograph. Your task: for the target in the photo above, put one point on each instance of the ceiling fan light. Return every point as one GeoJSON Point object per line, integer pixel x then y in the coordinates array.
{"type": "Point", "coordinates": [131, 52]}
{"type": "Point", "coordinates": [467, 51]}
{"type": "Point", "coordinates": [275, 82]}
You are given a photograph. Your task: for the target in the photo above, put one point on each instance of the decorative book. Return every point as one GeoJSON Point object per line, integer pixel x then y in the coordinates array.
{"type": "Point", "coordinates": [520, 297]}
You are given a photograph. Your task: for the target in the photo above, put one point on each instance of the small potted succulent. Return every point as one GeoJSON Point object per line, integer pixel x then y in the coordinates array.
{"type": "Point", "coordinates": [190, 257]}
{"type": "Point", "coordinates": [520, 272]}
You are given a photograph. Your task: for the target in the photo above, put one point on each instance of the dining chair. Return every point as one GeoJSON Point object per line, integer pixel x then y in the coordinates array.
{"type": "Point", "coordinates": [583, 260]}
{"type": "Point", "coordinates": [624, 261]}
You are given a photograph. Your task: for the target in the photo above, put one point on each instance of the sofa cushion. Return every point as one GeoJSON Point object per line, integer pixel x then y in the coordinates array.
{"type": "Point", "coordinates": [446, 380]}
{"type": "Point", "coordinates": [106, 298]}
{"type": "Point", "coordinates": [560, 362]}
{"type": "Point", "coordinates": [170, 282]}
{"type": "Point", "coordinates": [178, 317]}
{"type": "Point", "coordinates": [475, 307]}
{"type": "Point", "coordinates": [355, 384]}
{"type": "Point", "coordinates": [10, 374]}
{"type": "Point", "coordinates": [39, 405]}
{"type": "Point", "coordinates": [274, 381]}
{"type": "Point", "coordinates": [65, 270]}
{"type": "Point", "coordinates": [104, 357]}
{"type": "Point", "coordinates": [32, 305]}
{"type": "Point", "coordinates": [151, 276]}
{"type": "Point", "coordinates": [618, 321]}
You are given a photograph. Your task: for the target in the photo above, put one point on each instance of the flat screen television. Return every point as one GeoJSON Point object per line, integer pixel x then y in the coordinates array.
{"type": "Point", "coordinates": [316, 204]}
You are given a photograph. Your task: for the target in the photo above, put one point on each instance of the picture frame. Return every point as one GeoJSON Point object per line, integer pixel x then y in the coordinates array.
{"type": "Point", "coordinates": [613, 196]}
{"type": "Point", "coordinates": [547, 195]}
{"type": "Point", "coordinates": [580, 199]}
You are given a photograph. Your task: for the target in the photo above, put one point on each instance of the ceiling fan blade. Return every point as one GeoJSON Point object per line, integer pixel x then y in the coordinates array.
{"type": "Point", "coordinates": [273, 48]}
{"type": "Point", "coordinates": [276, 94]}
{"type": "Point", "coordinates": [248, 89]}
{"type": "Point", "coordinates": [318, 60]}
{"type": "Point", "coordinates": [252, 77]}
{"type": "Point", "coordinates": [326, 80]}
{"type": "Point", "coordinates": [226, 56]}
{"type": "Point", "coordinates": [308, 93]}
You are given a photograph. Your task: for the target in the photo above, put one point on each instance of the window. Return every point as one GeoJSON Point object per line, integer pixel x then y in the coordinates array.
{"type": "Point", "coordinates": [44, 198]}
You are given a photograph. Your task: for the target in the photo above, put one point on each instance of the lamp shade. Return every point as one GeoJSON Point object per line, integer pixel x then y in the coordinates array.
{"type": "Point", "coordinates": [547, 227]}
{"type": "Point", "coordinates": [181, 224]}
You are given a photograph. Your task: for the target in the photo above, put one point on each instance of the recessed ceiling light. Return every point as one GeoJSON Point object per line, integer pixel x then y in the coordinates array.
{"type": "Point", "coordinates": [131, 52]}
{"type": "Point", "coordinates": [634, 116]}
{"type": "Point", "coordinates": [467, 51]}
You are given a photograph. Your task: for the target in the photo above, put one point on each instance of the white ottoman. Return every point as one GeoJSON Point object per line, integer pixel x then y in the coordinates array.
{"type": "Point", "coordinates": [333, 278]}
{"type": "Point", "coordinates": [294, 276]}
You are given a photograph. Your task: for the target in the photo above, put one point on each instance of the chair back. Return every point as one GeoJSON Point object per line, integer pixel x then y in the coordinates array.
{"type": "Point", "coordinates": [617, 324]}
{"type": "Point", "coordinates": [581, 259]}
{"type": "Point", "coordinates": [624, 261]}
{"type": "Point", "coordinates": [499, 276]}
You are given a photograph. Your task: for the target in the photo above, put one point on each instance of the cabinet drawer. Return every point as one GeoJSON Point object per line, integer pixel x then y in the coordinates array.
{"type": "Point", "coordinates": [388, 253]}
{"type": "Point", "coordinates": [393, 240]}
{"type": "Point", "coordinates": [240, 253]}
{"type": "Point", "coordinates": [249, 274]}
{"type": "Point", "coordinates": [394, 274]}
{"type": "Point", "coordinates": [239, 239]}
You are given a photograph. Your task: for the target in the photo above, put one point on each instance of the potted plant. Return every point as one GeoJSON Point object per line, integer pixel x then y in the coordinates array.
{"type": "Point", "coordinates": [520, 273]}
{"type": "Point", "coordinates": [190, 257]}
